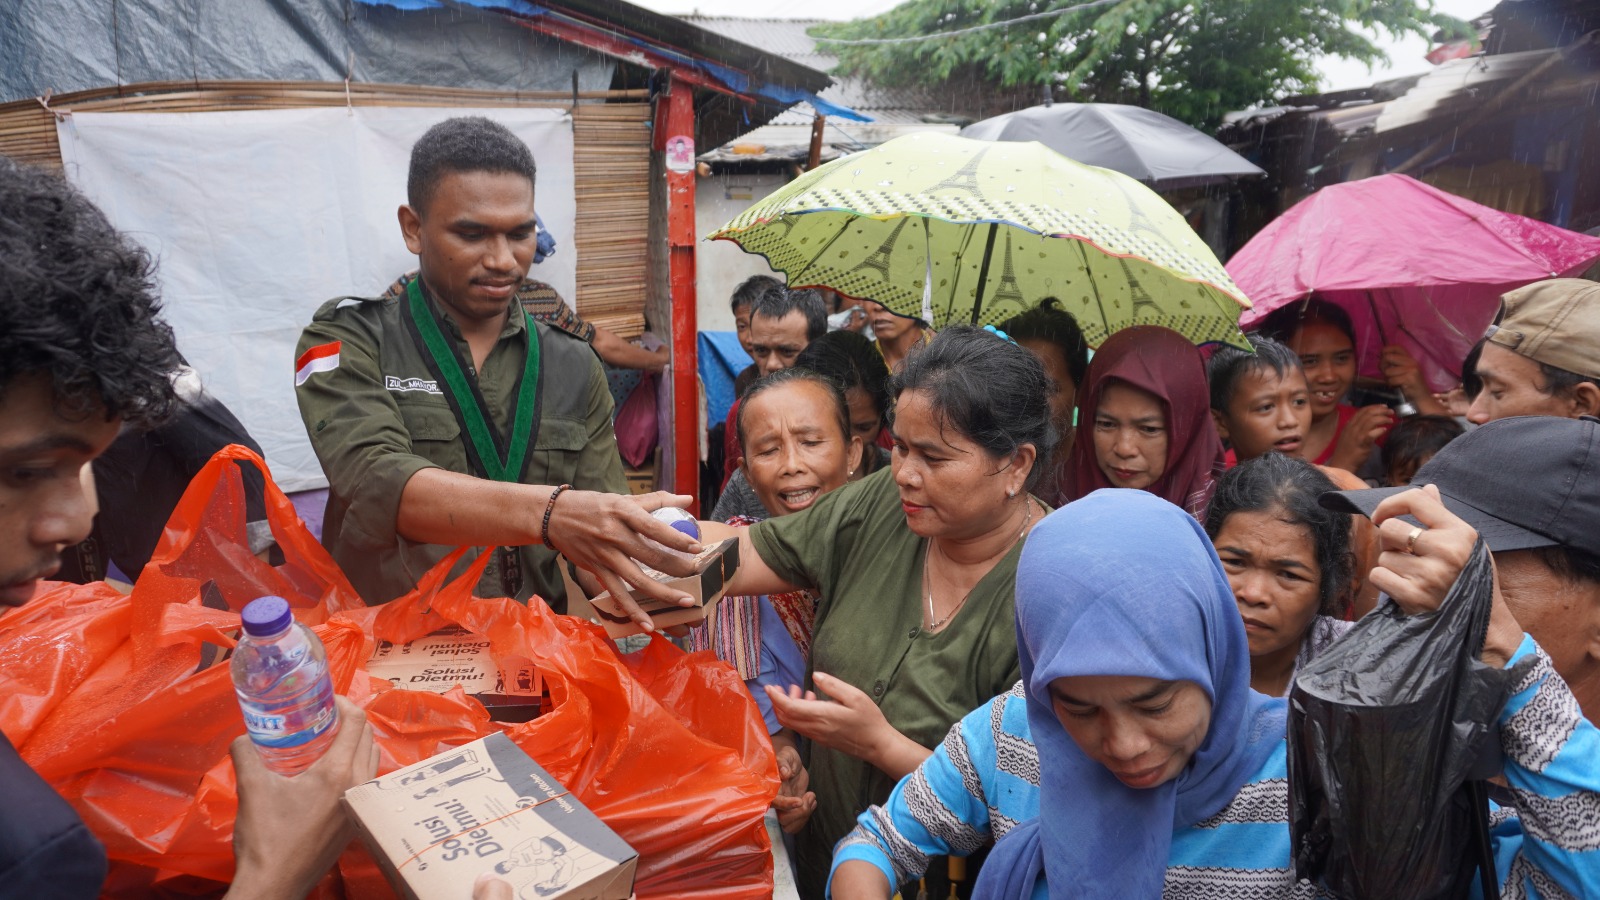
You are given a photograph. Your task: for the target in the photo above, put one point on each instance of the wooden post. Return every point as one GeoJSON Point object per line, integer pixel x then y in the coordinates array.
{"type": "Point", "coordinates": [814, 158]}
{"type": "Point", "coordinates": [675, 137]}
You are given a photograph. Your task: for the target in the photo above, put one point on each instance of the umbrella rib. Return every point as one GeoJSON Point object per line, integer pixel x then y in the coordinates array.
{"type": "Point", "coordinates": [845, 226]}
{"type": "Point", "coordinates": [1094, 288]}
{"type": "Point", "coordinates": [983, 272]}
{"type": "Point", "coordinates": [955, 280]}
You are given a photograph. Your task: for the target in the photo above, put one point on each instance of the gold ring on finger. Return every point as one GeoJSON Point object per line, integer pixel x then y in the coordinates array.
{"type": "Point", "coordinates": [1411, 541]}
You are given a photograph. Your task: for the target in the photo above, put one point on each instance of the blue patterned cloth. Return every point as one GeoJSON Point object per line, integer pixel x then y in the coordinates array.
{"type": "Point", "coordinates": [984, 779]}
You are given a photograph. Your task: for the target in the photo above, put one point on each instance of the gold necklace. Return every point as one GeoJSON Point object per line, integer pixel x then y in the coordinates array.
{"type": "Point", "coordinates": [927, 577]}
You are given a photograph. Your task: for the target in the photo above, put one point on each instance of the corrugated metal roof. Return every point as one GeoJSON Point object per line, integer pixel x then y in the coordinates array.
{"type": "Point", "coordinates": [788, 38]}
{"type": "Point", "coordinates": [785, 37]}
{"type": "Point", "coordinates": [1457, 88]}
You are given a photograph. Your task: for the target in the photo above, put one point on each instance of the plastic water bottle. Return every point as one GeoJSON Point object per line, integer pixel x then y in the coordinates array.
{"type": "Point", "coordinates": [280, 672]}
{"type": "Point", "coordinates": [677, 520]}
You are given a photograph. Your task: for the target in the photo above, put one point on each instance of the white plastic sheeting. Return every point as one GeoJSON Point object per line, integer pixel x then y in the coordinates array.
{"type": "Point", "coordinates": [256, 218]}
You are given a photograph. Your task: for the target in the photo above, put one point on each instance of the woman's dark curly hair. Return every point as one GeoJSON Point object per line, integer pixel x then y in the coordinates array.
{"type": "Point", "coordinates": [78, 301]}
{"type": "Point", "coordinates": [1288, 488]}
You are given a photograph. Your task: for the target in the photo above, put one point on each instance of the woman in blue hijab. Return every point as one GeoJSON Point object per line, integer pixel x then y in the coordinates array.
{"type": "Point", "coordinates": [1137, 674]}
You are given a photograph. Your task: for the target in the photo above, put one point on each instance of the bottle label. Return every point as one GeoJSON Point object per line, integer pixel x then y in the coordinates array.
{"type": "Point", "coordinates": [281, 727]}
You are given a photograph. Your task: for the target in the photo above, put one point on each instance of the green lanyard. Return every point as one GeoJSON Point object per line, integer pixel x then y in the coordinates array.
{"type": "Point", "coordinates": [497, 460]}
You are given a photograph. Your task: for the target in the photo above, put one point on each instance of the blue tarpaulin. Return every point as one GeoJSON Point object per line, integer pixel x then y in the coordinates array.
{"type": "Point", "coordinates": [721, 361]}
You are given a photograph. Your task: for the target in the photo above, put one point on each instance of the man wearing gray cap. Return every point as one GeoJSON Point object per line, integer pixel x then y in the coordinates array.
{"type": "Point", "coordinates": [1530, 487]}
{"type": "Point", "coordinates": [1543, 358]}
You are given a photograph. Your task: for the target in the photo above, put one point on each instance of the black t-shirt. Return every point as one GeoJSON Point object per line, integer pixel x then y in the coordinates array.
{"type": "Point", "coordinates": [45, 849]}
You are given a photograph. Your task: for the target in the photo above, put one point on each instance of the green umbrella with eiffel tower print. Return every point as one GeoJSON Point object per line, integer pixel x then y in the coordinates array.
{"type": "Point", "coordinates": [953, 230]}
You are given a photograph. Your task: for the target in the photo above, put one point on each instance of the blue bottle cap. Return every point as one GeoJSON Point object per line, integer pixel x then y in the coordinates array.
{"type": "Point", "coordinates": [678, 520]}
{"type": "Point", "coordinates": [265, 616]}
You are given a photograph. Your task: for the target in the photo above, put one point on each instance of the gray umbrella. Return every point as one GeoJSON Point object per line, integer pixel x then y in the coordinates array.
{"type": "Point", "coordinates": [1140, 143]}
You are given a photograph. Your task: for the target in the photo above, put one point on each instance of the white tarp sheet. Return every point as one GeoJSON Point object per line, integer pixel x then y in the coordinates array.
{"type": "Point", "coordinates": [256, 218]}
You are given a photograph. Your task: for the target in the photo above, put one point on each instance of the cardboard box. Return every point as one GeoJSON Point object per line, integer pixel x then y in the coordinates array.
{"type": "Point", "coordinates": [434, 827]}
{"type": "Point", "coordinates": [510, 689]}
{"type": "Point", "coordinates": [713, 567]}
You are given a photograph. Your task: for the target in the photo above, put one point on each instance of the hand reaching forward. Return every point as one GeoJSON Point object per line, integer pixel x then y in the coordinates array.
{"type": "Point", "coordinates": [850, 723]}
{"type": "Point", "coordinates": [604, 534]}
{"type": "Point", "coordinates": [1360, 435]}
{"type": "Point", "coordinates": [794, 803]}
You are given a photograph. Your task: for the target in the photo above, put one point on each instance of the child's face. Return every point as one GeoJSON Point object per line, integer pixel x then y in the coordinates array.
{"type": "Point", "coordinates": [1403, 470]}
{"type": "Point", "coordinates": [1267, 412]}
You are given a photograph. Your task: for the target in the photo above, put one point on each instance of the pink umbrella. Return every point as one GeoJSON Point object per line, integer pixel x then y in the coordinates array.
{"type": "Point", "coordinates": [1413, 265]}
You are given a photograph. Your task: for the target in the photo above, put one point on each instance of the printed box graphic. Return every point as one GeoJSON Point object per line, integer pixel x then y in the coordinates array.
{"type": "Point", "coordinates": [435, 826]}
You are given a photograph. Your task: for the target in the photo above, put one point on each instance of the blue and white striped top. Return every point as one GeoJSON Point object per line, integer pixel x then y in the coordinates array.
{"type": "Point", "coordinates": [984, 779]}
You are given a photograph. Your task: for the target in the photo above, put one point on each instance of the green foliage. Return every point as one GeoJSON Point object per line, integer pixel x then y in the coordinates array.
{"type": "Point", "coordinates": [1191, 59]}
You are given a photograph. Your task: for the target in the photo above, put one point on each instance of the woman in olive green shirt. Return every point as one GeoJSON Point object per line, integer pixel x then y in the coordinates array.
{"type": "Point", "coordinates": [915, 566]}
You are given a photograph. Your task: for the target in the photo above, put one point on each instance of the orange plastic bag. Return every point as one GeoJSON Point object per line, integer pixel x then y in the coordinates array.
{"type": "Point", "coordinates": [112, 700]}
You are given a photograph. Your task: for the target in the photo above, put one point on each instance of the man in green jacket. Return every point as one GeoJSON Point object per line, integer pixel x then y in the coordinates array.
{"type": "Point", "coordinates": [446, 415]}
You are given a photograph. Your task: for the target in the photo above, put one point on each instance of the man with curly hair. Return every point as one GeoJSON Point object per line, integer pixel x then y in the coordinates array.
{"type": "Point", "coordinates": [445, 415]}
{"type": "Point", "coordinates": [83, 354]}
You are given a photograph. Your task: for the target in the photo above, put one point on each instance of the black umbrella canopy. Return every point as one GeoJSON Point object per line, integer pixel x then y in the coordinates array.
{"type": "Point", "coordinates": [1140, 143]}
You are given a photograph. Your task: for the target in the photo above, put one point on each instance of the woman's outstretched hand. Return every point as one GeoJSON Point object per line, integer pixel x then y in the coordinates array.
{"type": "Point", "coordinates": [850, 723]}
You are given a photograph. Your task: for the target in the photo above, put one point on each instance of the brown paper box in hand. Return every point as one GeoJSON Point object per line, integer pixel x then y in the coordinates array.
{"type": "Point", "coordinates": [435, 826]}
{"type": "Point", "coordinates": [714, 566]}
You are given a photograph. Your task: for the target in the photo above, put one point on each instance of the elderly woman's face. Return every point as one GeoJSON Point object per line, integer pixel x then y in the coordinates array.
{"type": "Point", "coordinates": [794, 449]}
{"type": "Point", "coordinates": [1272, 568]}
{"type": "Point", "coordinates": [1143, 730]}
{"type": "Point", "coordinates": [949, 485]}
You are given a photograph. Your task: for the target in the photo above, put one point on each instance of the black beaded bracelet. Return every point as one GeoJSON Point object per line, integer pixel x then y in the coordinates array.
{"type": "Point", "coordinates": [544, 527]}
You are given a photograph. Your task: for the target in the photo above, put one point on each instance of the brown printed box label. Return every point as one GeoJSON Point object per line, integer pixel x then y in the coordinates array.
{"type": "Point", "coordinates": [434, 827]}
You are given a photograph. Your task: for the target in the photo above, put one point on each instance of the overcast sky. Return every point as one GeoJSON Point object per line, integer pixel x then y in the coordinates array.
{"type": "Point", "coordinates": [1405, 57]}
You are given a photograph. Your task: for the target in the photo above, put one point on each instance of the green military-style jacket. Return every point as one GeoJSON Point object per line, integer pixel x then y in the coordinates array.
{"type": "Point", "coordinates": [378, 417]}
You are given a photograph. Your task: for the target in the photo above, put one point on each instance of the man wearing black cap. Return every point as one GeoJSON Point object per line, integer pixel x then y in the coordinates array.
{"type": "Point", "coordinates": [1530, 486]}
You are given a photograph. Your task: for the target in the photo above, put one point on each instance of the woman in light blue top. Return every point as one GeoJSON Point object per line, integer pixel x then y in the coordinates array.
{"type": "Point", "coordinates": [1162, 774]}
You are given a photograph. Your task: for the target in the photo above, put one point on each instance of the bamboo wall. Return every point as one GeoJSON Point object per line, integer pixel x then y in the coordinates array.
{"type": "Point", "coordinates": [611, 154]}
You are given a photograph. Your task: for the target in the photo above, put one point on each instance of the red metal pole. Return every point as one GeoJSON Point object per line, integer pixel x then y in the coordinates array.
{"type": "Point", "coordinates": [675, 137]}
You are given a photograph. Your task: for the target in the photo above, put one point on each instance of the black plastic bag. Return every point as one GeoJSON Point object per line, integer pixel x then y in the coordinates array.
{"type": "Point", "coordinates": [1391, 731]}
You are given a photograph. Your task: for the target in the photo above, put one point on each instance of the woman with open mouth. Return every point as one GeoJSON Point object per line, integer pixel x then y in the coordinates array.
{"type": "Point", "coordinates": [1145, 421]}
{"type": "Point", "coordinates": [796, 445]}
{"type": "Point", "coordinates": [915, 566]}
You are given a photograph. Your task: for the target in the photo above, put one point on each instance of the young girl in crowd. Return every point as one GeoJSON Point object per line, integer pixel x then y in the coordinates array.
{"type": "Point", "coordinates": [1259, 401]}
{"type": "Point", "coordinates": [1341, 435]}
{"type": "Point", "coordinates": [982, 780]}
{"type": "Point", "coordinates": [1162, 773]}
{"type": "Point", "coordinates": [1053, 335]}
{"type": "Point", "coordinates": [1145, 421]}
{"type": "Point", "coordinates": [914, 566]}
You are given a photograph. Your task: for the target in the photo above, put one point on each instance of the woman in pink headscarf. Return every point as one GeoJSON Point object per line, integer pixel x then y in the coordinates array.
{"type": "Point", "coordinates": [1145, 421]}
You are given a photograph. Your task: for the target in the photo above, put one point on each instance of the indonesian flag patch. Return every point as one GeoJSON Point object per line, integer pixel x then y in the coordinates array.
{"type": "Point", "coordinates": [321, 358]}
